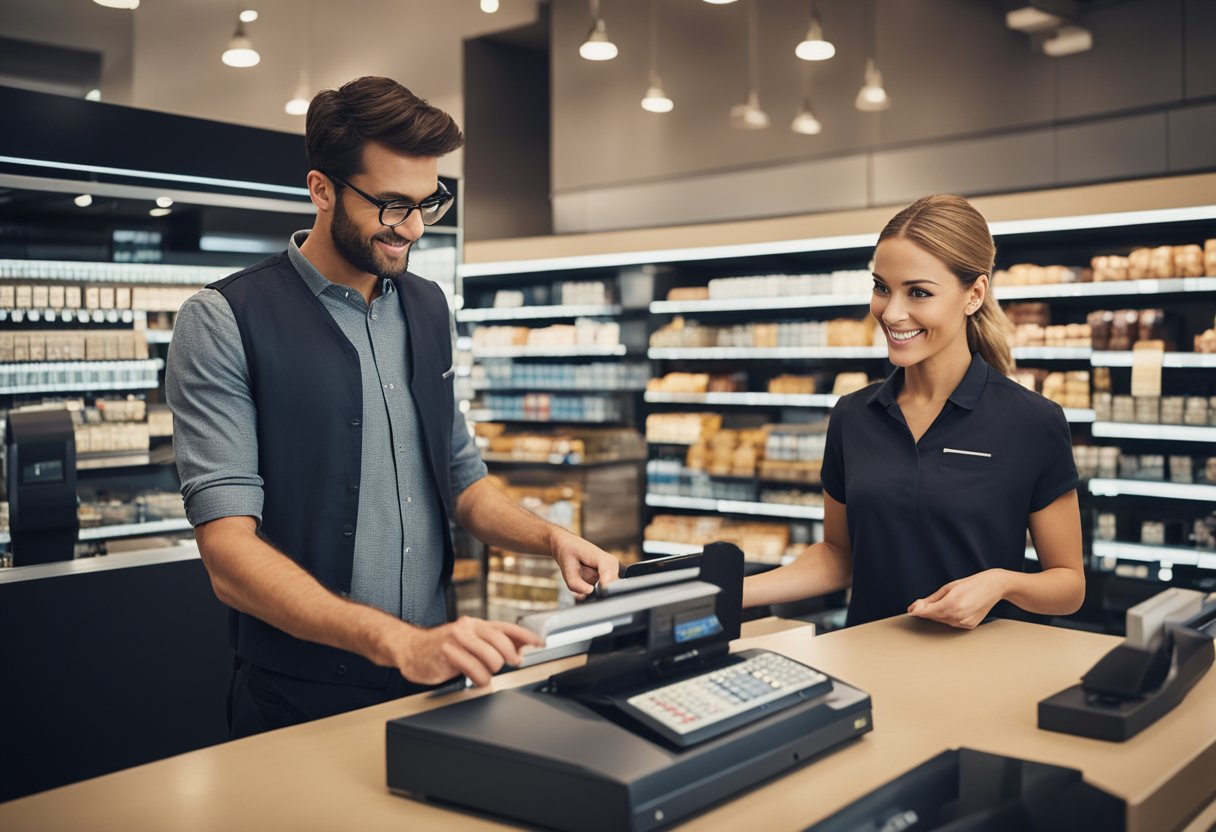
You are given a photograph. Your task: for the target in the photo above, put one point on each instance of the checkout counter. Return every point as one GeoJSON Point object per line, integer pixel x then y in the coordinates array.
{"type": "Point", "coordinates": [932, 688]}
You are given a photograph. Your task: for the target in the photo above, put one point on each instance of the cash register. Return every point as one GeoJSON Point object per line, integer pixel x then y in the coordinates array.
{"type": "Point", "coordinates": [661, 722]}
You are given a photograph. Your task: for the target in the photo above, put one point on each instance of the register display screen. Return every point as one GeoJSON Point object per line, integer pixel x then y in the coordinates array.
{"type": "Point", "coordinates": [35, 473]}
{"type": "Point", "coordinates": [694, 626]}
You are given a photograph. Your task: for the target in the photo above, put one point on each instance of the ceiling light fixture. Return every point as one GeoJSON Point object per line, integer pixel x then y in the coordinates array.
{"type": "Point", "coordinates": [656, 101]}
{"type": "Point", "coordinates": [83, 201]}
{"type": "Point", "coordinates": [93, 95]}
{"type": "Point", "coordinates": [719, 2]}
{"type": "Point", "coordinates": [805, 122]}
{"type": "Point", "coordinates": [240, 52]}
{"type": "Point", "coordinates": [247, 16]}
{"type": "Point", "coordinates": [164, 201]}
{"type": "Point", "coordinates": [749, 116]}
{"type": "Point", "coordinates": [814, 47]}
{"type": "Point", "coordinates": [160, 212]}
{"type": "Point", "coordinates": [297, 105]}
{"type": "Point", "coordinates": [118, 4]}
{"type": "Point", "coordinates": [489, 6]}
{"type": "Point", "coordinates": [872, 97]}
{"type": "Point", "coordinates": [1028, 19]}
{"type": "Point", "coordinates": [597, 47]}
{"type": "Point", "coordinates": [1068, 40]}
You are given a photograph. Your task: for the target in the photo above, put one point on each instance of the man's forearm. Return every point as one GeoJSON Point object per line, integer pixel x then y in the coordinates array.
{"type": "Point", "coordinates": [251, 576]}
{"type": "Point", "coordinates": [494, 519]}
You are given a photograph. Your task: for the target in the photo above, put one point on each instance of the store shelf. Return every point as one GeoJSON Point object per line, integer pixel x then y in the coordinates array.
{"type": "Point", "coordinates": [1171, 359]}
{"type": "Point", "coordinates": [159, 336]}
{"type": "Point", "coordinates": [1173, 285]}
{"type": "Point", "coordinates": [1165, 433]}
{"type": "Point", "coordinates": [527, 313]}
{"type": "Point", "coordinates": [824, 400]}
{"type": "Point", "coordinates": [735, 507]}
{"type": "Point", "coordinates": [553, 388]}
{"type": "Point", "coordinates": [754, 353]}
{"type": "Point", "coordinates": [1149, 488]}
{"type": "Point", "coordinates": [74, 271]}
{"type": "Point", "coordinates": [1169, 555]}
{"type": "Point", "coordinates": [791, 302]}
{"type": "Point", "coordinates": [150, 365]}
{"type": "Point", "coordinates": [176, 524]}
{"type": "Point", "coordinates": [1052, 353]}
{"type": "Point", "coordinates": [557, 461]}
{"type": "Point", "coordinates": [492, 416]}
{"type": "Point", "coordinates": [122, 459]}
{"type": "Point", "coordinates": [550, 352]}
{"type": "Point", "coordinates": [1079, 415]}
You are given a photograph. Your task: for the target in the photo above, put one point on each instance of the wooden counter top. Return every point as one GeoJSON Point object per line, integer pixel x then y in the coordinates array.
{"type": "Point", "coordinates": [933, 688]}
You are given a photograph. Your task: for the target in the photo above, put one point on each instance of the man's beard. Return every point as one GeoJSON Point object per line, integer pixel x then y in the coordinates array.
{"type": "Point", "coordinates": [361, 253]}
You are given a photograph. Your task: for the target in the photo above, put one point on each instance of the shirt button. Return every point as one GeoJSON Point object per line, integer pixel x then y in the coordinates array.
{"type": "Point", "coordinates": [407, 550]}
{"type": "Point", "coordinates": [409, 499]}
{"type": "Point", "coordinates": [390, 387]}
{"type": "Point", "coordinates": [354, 486]}
{"type": "Point", "coordinates": [341, 670]}
{"type": "Point", "coordinates": [348, 530]}
{"type": "Point", "coordinates": [354, 423]}
{"type": "Point", "coordinates": [373, 316]}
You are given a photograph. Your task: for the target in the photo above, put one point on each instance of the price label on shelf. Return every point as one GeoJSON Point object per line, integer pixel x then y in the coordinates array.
{"type": "Point", "coordinates": [1147, 360]}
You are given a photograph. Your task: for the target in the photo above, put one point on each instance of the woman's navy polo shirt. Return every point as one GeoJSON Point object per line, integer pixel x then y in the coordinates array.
{"type": "Point", "coordinates": [923, 514]}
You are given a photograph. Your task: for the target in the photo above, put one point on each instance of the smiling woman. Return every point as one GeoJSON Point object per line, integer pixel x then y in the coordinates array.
{"type": "Point", "coordinates": [932, 477]}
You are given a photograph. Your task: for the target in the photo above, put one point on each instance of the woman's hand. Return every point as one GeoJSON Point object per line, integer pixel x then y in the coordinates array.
{"type": "Point", "coordinates": [963, 603]}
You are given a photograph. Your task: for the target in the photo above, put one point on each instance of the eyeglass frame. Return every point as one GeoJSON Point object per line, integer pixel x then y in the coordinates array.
{"type": "Point", "coordinates": [441, 196]}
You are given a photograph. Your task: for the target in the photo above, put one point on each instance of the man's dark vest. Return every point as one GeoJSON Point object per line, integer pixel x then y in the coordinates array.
{"type": "Point", "coordinates": [307, 386]}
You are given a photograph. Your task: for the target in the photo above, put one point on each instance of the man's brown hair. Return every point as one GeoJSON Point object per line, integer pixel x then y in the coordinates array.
{"type": "Point", "coordinates": [373, 109]}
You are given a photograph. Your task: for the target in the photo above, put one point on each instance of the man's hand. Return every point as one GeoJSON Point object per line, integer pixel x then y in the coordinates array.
{"type": "Point", "coordinates": [963, 603]}
{"type": "Point", "coordinates": [583, 564]}
{"type": "Point", "coordinates": [476, 648]}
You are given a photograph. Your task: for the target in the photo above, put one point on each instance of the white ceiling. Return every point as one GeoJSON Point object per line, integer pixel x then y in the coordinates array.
{"type": "Point", "coordinates": [166, 54]}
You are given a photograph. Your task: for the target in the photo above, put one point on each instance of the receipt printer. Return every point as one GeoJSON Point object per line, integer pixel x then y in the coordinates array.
{"type": "Point", "coordinates": [1167, 650]}
{"type": "Point", "coordinates": [40, 457]}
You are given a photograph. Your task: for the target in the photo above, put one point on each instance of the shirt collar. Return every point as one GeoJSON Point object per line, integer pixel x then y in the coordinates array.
{"type": "Point", "coordinates": [967, 394]}
{"type": "Point", "coordinates": [317, 282]}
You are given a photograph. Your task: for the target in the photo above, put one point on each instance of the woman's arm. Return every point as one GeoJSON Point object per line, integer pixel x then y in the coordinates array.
{"type": "Point", "coordinates": [1059, 589]}
{"type": "Point", "coordinates": [821, 568]}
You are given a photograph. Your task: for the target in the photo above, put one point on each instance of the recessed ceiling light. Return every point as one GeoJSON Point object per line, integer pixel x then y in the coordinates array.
{"type": "Point", "coordinates": [93, 95]}
{"type": "Point", "coordinates": [84, 200]}
{"type": "Point", "coordinates": [160, 212]}
{"type": "Point", "coordinates": [118, 4]}
{"type": "Point", "coordinates": [163, 201]}
{"type": "Point", "coordinates": [248, 16]}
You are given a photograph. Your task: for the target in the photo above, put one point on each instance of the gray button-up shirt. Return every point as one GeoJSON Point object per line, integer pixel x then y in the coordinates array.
{"type": "Point", "coordinates": [399, 540]}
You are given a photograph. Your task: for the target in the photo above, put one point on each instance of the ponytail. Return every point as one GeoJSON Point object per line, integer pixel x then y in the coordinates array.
{"type": "Point", "coordinates": [988, 333]}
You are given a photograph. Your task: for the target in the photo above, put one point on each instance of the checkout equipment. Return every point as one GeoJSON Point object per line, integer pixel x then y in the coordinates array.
{"type": "Point", "coordinates": [1169, 646]}
{"type": "Point", "coordinates": [40, 477]}
{"type": "Point", "coordinates": [661, 722]}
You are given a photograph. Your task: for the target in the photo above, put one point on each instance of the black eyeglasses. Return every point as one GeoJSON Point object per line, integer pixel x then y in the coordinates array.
{"type": "Point", "coordinates": [393, 212]}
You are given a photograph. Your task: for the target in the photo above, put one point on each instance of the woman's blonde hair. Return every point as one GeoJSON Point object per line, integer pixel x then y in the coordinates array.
{"type": "Point", "coordinates": [949, 228]}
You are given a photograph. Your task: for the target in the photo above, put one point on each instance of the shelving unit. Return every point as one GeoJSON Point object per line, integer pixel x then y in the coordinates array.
{"type": "Point", "coordinates": [765, 353]}
{"type": "Point", "coordinates": [615, 350]}
{"type": "Point", "coordinates": [1160, 433]}
{"type": "Point", "coordinates": [790, 512]}
{"type": "Point", "coordinates": [533, 313]}
{"type": "Point", "coordinates": [1164, 555]}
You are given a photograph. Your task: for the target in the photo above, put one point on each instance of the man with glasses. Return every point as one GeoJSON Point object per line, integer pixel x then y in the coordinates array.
{"type": "Point", "coordinates": [320, 450]}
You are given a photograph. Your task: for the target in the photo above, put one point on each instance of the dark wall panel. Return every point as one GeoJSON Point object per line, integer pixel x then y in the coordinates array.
{"type": "Point", "coordinates": [1004, 163]}
{"type": "Point", "coordinates": [1115, 149]}
{"type": "Point", "coordinates": [952, 68]}
{"type": "Point", "coordinates": [1136, 60]}
{"type": "Point", "coordinates": [1193, 138]}
{"type": "Point", "coordinates": [1200, 48]}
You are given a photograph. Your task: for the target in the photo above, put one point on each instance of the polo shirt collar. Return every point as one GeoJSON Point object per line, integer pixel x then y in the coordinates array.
{"type": "Point", "coordinates": [317, 282]}
{"type": "Point", "coordinates": [966, 395]}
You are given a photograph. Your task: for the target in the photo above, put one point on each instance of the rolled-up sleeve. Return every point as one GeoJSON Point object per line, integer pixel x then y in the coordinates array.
{"type": "Point", "coordinates": [214, 418]}
{"type": "Point", "coordinates": [467, 466]}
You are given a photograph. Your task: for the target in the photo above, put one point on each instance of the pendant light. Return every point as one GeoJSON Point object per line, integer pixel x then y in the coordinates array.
{"type": "Point", "coordinates": [118, 4]}
{"type": "Point", "coordinates": [656, 101]}
{"type": "Point", "coordinates": [814, 46]}
{"type": "Point", "coordinates": [489, 6]}
{"type": "Point", "coordinates": [719, 2]}
{"type": "Point", "coordinates": [749, 116]}
{"type": "Point", "coordinates": [597, 47]}
{"type": "Point", "coordinates": [805, 122]}
{"type": "Point", "coordinates": [872, 97]}
{"type": "Point", "coordinates": [240, 52]}
{"type": "Point", "coordinates": [297, 105]}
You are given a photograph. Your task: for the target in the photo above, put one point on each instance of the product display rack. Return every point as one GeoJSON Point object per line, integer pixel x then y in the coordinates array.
{"type": "Point", "coordinates": [1056, 240]}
